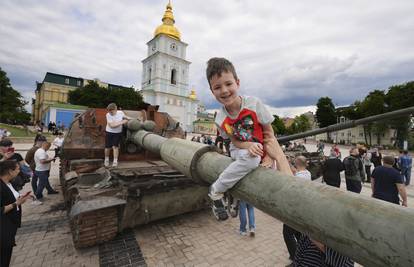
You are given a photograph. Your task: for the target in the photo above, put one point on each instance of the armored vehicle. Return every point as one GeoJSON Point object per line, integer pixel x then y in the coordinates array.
{"type": "Point", "coordinates": [103, 201]}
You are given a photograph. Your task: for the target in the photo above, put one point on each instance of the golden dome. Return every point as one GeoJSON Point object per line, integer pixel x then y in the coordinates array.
{"type": "Point", "coordinates": [167, 27]}
{"type": "Point", "coordinates": [193, 95]}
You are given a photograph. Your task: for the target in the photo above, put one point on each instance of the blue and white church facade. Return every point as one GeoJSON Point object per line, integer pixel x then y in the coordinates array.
{"type": "Point", "coordinates": [165, 74]}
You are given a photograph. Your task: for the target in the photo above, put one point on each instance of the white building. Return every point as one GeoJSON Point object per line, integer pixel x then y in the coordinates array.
{"type": "Point", "coordinates": [356, 135]}
{"type": "Point", "coordinates": [165, 72]}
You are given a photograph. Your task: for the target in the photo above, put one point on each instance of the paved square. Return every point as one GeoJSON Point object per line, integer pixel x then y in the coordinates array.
{"type": "Point", "coordinates": [194, 239]}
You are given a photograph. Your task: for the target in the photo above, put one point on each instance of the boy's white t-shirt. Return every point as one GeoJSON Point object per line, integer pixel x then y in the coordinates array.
{"type": "Point", "coordinates": [116, 118]}
{"type": "Point", "coordinates": [247, 125]}
{"type": "Point", "coordinates": [41, 155]}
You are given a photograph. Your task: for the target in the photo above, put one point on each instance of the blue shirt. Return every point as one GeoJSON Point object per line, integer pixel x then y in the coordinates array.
{"type": "Point", "coordinates": [385, 180]}
{"type": "Point", "coordinates": [405, 161]}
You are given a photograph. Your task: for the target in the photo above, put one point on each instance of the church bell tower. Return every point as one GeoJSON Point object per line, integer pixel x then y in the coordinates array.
{"type": "Point", "coordinates": [165, 73]}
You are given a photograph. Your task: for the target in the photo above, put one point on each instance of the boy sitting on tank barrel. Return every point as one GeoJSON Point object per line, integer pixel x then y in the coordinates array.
{"type": "Point", "coordinates": [243, 119]}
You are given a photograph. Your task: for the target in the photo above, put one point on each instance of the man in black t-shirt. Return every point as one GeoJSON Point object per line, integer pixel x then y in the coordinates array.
{"type": "Point", "coordinates": [387, 183]}
{"type": "Point", "coordinates": [7, 153]}
{"type": "Point", "coordinates": [331, 170]}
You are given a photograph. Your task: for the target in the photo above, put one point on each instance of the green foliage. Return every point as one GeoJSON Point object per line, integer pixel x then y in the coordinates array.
{"type": "Point", "coordinates": [374, 104]}
{"type": "Point", "coordinates": [94, 96]}
{"type": "Point", "coordinates": [12, 104]}
{"type": "Point", "coordinates": [127, 98]}
{"type": "Point", "coordinates": [300, 124]}
{"type": "Point", "coordinates": [325, 112]}
{"type": "Point", "coordinates": [398, 97]}
{"type": "Point", "coordinates": [352, 112]}
{"type": "Point", "coordinates": [278, 125]}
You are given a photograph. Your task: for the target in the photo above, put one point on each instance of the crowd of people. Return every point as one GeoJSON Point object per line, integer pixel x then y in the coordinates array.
{"type": "Point", "coordinates": [15, 172]}
{"type": "Point", "coordinates": [387, 174]}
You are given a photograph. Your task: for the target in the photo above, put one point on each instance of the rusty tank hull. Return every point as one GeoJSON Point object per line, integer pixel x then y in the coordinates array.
{"type": "Point", "coordinates": [104, 201]}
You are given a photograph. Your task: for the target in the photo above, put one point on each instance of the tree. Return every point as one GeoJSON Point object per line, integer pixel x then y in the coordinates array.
{"type": "Point", "coordinates": [373, 104]}
{"type": "Point", "coordinates": [11, 103]}
{"type": "Point", "coordinates": [398, 97]}
{"type": "Point", "coordinates": [300, 124]}
{"type": "Point", "coordinates": [127, 98]}
{"type": "Point", "coordinates": [352, 112]}
{"type": "Point", "coordinates": [325, 113]}
{"type": "Point", "coordinates": [278, 126]}
{"type": "Point", "coordinates": [94, 96]}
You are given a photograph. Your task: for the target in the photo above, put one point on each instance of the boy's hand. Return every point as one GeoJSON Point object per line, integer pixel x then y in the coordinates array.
{"type": "Point", "coordinates": [267, 162]}
{"type": "Point", "coordinates": [255, 149]}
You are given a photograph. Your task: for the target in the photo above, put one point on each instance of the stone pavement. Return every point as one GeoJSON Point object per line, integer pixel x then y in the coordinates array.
{"type": "Point", "coordinates": [194, 239]}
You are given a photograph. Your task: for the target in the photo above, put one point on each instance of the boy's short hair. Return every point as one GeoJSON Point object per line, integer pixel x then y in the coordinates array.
{"type": "Point", "coordinates": [218, 65]}
{"type": "Point", "coordinates": [111, 106]}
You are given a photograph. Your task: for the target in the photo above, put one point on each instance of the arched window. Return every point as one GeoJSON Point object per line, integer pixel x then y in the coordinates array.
{"type": "Point", "coordinates": [149, 76]}
{"type": "Point", "coordinates": [173, 76]}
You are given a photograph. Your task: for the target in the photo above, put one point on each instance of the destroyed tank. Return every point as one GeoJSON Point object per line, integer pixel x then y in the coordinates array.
{"type": "Point", "coordinates": [104, 201]}
{"type": "Point", "coordinates": [317, 159]}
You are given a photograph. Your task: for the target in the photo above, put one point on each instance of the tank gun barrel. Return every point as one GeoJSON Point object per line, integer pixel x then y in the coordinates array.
{"type": "Point", "coordinates": [370, 231]}
{"type": "Point", "coordinates": [348, 124]}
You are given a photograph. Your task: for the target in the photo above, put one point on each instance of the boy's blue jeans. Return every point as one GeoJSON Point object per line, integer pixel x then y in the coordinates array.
{"type": "Point", "coordinates": [244, 206]}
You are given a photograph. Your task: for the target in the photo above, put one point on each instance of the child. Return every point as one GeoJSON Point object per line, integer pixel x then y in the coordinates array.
{"type": "Point", "coordinates": [243, 207]}
{"type": "Point", "coordinates": [113, 132]}
{"type": "Point", "coordinates": [242, 119]}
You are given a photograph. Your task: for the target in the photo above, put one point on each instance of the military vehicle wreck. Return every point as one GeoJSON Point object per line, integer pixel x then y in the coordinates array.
{"type": "Point", "coordinates": [103, 201]}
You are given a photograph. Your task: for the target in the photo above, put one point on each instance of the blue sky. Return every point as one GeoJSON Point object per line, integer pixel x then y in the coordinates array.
{"type": "Point", "coordinates": [289, 53]}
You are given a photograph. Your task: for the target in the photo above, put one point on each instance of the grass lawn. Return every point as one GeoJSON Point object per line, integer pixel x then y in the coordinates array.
{"type": "Point", "coordinates": [19, 132]}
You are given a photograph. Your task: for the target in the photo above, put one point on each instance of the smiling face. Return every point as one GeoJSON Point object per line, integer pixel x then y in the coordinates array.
{"type": "Point", "coordinates": [225, 89]}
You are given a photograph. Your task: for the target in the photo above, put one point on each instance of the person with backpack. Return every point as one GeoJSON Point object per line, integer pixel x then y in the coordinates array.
{"type": "Point", "coordinates": [354, 171]}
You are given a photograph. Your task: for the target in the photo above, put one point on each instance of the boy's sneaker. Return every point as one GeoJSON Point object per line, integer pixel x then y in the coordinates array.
{"type": "Point", "coordinates": [218, 207]}
{"type": "Point", "coordinates": [243, 233]}
{"type": "Point", "coordinates": [219, 210]}
{"type": "Point", "coordinates": [115, 164]}
{"type": "Point", "coordinates": [106, 163]}
{"type": "Point", "coordinates": [252, 232]}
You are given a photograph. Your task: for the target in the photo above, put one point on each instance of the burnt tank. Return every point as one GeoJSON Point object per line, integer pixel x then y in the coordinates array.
{"type": "Point", "coordinates": [143, 188]}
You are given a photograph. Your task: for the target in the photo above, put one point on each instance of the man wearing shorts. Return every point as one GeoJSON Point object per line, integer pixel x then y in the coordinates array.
{"type": "Point", "coordinates": [113, 132]}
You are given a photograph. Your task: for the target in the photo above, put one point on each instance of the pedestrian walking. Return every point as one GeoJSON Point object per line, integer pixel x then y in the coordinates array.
{"type": "Point", "coordinates": [406, 163]}
{"type": "Point", "coordinates": [366, 158]}
{"type": "Point", "coordinates": [354, 171]}
{"type": "Point", "coordinates": [331, 170]}
{"type": "Point", "coordinates": [387, 183]}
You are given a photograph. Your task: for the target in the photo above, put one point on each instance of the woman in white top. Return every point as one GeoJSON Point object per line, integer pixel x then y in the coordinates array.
{"type": "Point", "coordinates": [58, 142]}
{"type": "Point", "coordinates": [113, 132]}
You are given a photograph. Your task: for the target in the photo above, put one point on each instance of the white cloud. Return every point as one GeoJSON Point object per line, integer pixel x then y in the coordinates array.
{"type": "Point", "coordinates": [287, 53]}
